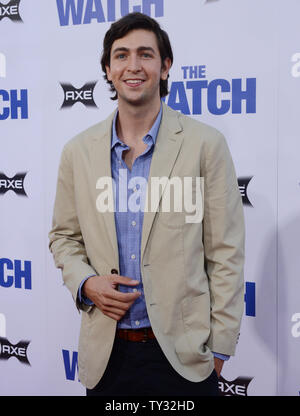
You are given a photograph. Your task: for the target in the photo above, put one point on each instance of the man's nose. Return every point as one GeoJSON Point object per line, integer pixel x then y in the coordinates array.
{"type": "Point", "coordinates": [134, 64]}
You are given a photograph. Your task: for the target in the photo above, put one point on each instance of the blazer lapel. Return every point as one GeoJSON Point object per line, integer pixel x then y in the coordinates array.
{"type": "Point", "coordinates": [100, 156]}
{"type": "Point", "coordinates": [167, 147]}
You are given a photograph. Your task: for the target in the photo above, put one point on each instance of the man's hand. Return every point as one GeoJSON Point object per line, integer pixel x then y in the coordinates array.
{"type": "Point", "coordinates": [102, 290]}
{"type": "Point", "coordinates": [218, 365]}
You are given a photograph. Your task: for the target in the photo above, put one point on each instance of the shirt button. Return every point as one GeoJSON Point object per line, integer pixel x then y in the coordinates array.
{"type": "Point", "coordinates": [137, 323]}
{"type": "Point", "coordinates": [133, 223]}
{"type": "Point", "coordinates": [133, 256]}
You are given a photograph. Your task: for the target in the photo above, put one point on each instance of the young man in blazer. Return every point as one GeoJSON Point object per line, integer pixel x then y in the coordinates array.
{"type": "Point", "coordinates": [161, 290]}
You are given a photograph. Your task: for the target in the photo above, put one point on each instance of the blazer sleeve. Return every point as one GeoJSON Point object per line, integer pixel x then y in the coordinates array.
{"type": "Point", "coordinates": [223, 238]}
{"type": "Point", "coordinates": [66, 241]}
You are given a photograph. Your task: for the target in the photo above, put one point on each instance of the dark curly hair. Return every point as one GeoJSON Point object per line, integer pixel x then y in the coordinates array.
{"type": "Point", "coordinates": [121, 28]}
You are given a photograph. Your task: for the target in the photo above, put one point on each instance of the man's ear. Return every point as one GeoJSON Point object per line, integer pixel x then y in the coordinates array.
{"type": "Point", "coordinates": [108, 72]}
{"type": "Point", "coordinates": [165, 69]}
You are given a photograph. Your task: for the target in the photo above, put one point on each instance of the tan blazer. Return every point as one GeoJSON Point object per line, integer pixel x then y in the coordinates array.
{"type": "Point", "coordinates": [192, 272]}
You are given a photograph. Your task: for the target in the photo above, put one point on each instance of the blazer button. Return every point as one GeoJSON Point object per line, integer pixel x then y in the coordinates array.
{"type": "Point", "coordinates": [114, 271]}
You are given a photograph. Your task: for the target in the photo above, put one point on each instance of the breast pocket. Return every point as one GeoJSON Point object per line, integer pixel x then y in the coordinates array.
{"type": "Point", "coordinates": [182, 202]}
{"type": "Point", "coordinates": [193, 200]}
{"type": "Point", "coordinates": [172, 220]}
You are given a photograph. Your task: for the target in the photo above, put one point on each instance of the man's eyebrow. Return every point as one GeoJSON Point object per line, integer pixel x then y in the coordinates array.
{"type": "Point", "coordinates": [120, 49]}
{"type": "Point", "coordinates": [145, 48]}
{"type": "Point", "coordinates": [139, 49]}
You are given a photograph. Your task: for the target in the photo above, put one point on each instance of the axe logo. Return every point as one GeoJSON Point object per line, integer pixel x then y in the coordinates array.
{"type": "Point", "coordinates": [15, 184]}
{"type": "Point", "coordinates": [243, 185]}
{"type": "Point", "coordinates": [11, 10]}
{"type": "Point", "coordinates": [19, 351]}
{"type": "Point", "coordinates": [237, 387]}
{"type": "Point", "coordinates": [82, 95]}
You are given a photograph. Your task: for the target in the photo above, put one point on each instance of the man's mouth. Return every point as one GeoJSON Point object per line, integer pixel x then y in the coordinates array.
{"type": "Point", "coordinates": [134, 82]}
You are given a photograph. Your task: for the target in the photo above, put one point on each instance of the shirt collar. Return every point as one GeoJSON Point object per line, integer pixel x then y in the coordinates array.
{"type": "Point", "coordinates": [152, 133]}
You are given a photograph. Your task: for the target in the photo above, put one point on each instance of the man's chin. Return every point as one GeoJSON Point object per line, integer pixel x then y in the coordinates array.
{"type": "Point", "coordinates": [135, 101]}
{"type": "Point", "coordinates": [139, 101]}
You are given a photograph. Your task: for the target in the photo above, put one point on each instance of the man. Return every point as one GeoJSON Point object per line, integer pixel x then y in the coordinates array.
{"type": "Point", "coordinates": [161, 292]}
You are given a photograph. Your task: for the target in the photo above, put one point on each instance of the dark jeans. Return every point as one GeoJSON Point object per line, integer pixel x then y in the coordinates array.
{"type": "Point", "coordinates": [141, 369]}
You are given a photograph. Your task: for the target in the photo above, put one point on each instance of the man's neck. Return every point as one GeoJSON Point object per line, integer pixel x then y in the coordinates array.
{"type": "Point", "coordinates": [134, 122]}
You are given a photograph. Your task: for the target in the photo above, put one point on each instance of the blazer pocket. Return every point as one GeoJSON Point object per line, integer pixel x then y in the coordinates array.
{"type": "Point", "coordinates": [191, 346]}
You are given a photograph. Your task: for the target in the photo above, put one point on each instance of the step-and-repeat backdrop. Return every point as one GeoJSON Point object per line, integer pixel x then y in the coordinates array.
{"type": "Point", "coordinates": [236, 67]}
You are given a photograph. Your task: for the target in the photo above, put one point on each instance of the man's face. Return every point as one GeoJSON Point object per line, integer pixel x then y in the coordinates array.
{"type": "Point", "coordinates": [136, 68]}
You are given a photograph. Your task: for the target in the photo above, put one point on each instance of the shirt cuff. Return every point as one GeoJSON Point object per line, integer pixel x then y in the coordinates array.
{"type": "Point", "coordinates": [80, 296]}
{"type": "Point", "coordinates": [221, 356]}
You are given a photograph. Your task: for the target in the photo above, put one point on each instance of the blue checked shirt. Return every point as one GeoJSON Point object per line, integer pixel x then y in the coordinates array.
{"type": "Point", "coordinates": [129, 195]}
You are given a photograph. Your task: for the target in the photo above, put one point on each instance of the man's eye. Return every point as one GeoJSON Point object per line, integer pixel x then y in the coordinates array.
{"type": "Point", "coordinates": [121, 56]}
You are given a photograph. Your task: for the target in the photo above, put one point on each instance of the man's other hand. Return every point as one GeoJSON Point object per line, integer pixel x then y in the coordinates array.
{"type": "Point", "coordinates": [218, 365]}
